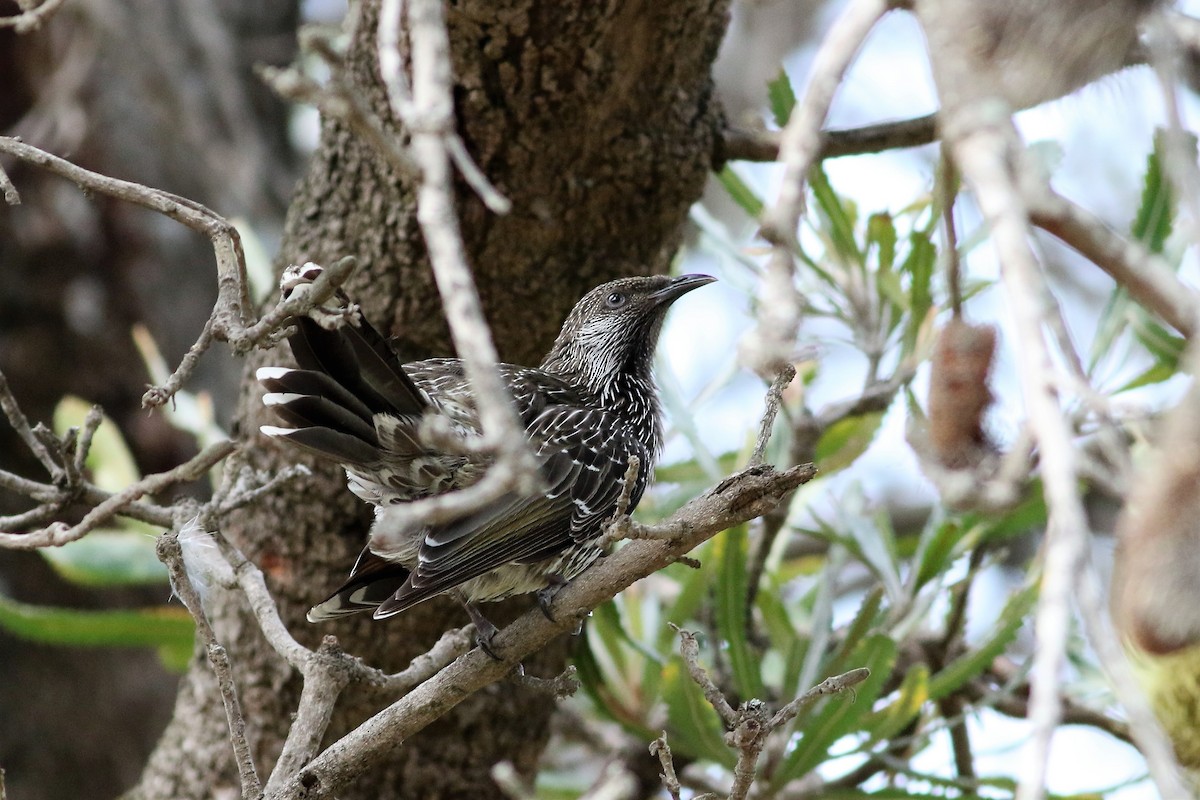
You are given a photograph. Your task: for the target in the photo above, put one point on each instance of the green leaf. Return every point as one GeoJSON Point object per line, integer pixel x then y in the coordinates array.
{"type": "Point", "coordinates": [899, 714]}
{"type": "Point", "coordinates": [781, 97]}
{"type": "Point", "coordinates": [919, 266]}
{"type": "Point", "coordinates": [163, 626]}
{"type": "Point", "coordinates": [1152, 223]}
{"type": "Point", "coordinates": [731, 590]}
{"type": "Point", "coordinates": [1155, 373]}
{"type": "Point", "coordinates": [609, 703]}
{"type": "Point", "coordinates": [839, 715]}
{"type": "Point", "coordinates": [109, 459]}
{"type": "Point", "coordinates": [695, 728]}
{"type": "Point", "coordinates": [864, 620]}
{"type": "Point", "coordinates": [838, 216]}
{"type": "Point", "coordinates": [881, 233]}
{"type": "Point", "coordinates": [108, 558]}
{"type": "Point", "coordinates": [846, 440]}
{"type": "Point", "coordinates": [740, 191]}
{"type": "Point", "coordinates": [1166, 347]}
{"type": "Point", "coordinates": [972, 663]}
{"type": "Point", "coordinates": [936, 548]}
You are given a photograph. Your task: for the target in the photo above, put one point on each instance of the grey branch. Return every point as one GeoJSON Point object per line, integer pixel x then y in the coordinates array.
{"type": "Point", "coordinates": [740, 144]}
{"type": "Point", "coordinates": [426, 108]}
{"type": "Point", "coordinates": [122, 503]}
{"type": "Point", "coordinates": [170, 554]}
{"type": "Point", "coordinates": [662, 751]}
{"type": "Point", "coordinates": [751, 724]}
{"type": "Point", "coordinates": [31, 17]}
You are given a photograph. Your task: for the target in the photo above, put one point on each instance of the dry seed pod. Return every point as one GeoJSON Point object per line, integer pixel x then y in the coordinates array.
{"type": "Point", "coordinates": [959, 395]}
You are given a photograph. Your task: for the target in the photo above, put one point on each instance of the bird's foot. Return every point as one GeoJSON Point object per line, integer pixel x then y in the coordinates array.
{"type": "Point", "coordinates": [545, 595]}
{"type": "Point", "coordinates": [485, 630]}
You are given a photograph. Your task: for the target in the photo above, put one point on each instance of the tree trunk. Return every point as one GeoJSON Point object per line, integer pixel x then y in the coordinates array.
{"type": "Point", "coordinates": [598, 121]}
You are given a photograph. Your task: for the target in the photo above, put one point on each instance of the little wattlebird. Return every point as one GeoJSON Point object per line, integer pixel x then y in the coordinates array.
{"type": "Point", "coordinates": [588, 409]}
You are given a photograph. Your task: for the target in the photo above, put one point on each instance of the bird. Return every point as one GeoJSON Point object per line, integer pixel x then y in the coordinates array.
{"type": "Point", "coordinates": [588, 409]}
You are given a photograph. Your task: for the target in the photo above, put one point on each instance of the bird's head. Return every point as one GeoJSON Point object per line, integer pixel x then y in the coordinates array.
{"type": "Point", "coordinates": [613, 330]}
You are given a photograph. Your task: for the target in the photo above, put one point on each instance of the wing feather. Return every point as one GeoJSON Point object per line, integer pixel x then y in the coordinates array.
{"type": "Point", "coordinates": [527, 529]}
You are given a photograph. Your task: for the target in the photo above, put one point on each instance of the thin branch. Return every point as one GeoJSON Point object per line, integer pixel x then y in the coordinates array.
{"type": "Point", "coordinates": [335, 100]}
{"type": "Point", "coordinates": [689, 649]}
{"type": "Point", "coordinates": [453, 644]}
{"type": "Point", "coordinates": [16, 418]}
{"type": "Point", "coordinates": [121, 502]}
{"type": "Point", "coordinates": [987, 150]}
{"type": "Point", "coordinates": [31, 19]}
{"type": "Point", "coordinates": [560, 687]}
{"type": "Point", "coordinates": [662, 750]}
{"type": "Point", "coordinates": [427, 110]}
{"type": "Point", "coordinates": [233, 309]}
{"type": "Point", "coordinates": [11, 195]}
{"type": "Point", "coordinates": [801, 139]}
{"type": "Point", "coordinates": [326, 673]}
{"type": "Point", "coordinates": [622, 526]}
{"type": "Point", "coordinates": [1144, 275]}
{"type": "Point", "coordinates": [169, 553]}
{"type": "Point", "coordinates": [774, 401]}
{"type": "Point", "coordinates": [740, 144]}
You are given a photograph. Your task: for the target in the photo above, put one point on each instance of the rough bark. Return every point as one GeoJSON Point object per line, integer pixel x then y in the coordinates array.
{"type": "Point", "coordinates": [597, 120]}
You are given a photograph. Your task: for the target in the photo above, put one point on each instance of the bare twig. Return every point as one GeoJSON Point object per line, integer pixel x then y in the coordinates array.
{"type": "Point", "coordinates": [662, 750]}
{"type": "Point", "coordinates": [984, 145]}
{"type": "Point", "coordinates": [326, 673]}
{"type": "Point", "coordinates": [31, 18]}
{"type": "Point", "coordinates": [121, 502]}
{"type": "Point", "coordinates": [452, 645]}
{"type": "Point", "coordinates": [427, 110]}
{"type": "Point", "coordinates": [338, 101]}
{"type": "Point", "coordinates": [1144, 275]}
{"type": "Point", "coordinates": [768, 347]}
{"type": "Point", "coordinates": [739, 144]}
{"type": "Point", "coordinates": [774, 401]}
{"type": "Point", "coordinates": [171, 555]}
{"type": "Point", "coordinates": [11, 195]}
{"type": "Point", "coordinates": [16, 418]}
{"type": "Point", "coordinates": [560, 687]}
{"type": "Point", "coordinates": [751, 724]}
{"type": "Point", "coordinates": [622, 526]}
{"type": "Point", "coordinates": [689, 649]}
{"type": "Point", "coordinates": [801, 140]}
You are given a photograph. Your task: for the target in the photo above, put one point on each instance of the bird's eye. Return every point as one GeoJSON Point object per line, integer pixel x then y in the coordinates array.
{"type": "Point", "coordinates": [615, 300]}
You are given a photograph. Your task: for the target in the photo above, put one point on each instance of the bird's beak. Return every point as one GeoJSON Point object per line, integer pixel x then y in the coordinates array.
{"type": "Point", "coordinates": [680, 286]}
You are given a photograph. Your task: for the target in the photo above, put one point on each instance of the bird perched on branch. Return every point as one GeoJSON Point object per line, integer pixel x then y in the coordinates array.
{"type": "Point", "coordinates": [588, 409]}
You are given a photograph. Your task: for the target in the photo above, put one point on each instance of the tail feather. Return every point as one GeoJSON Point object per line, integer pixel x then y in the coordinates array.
{"type": "Point", "coordinates": [311, 411]}
{"type": "Point", "coordinates": [349, 383]}
{"type": "Point", "coordinates": [325, 442]}
{"type": "Point", "coordinates": [282, 380]}
{"type": "Point", "coordinates": [359, 359]}
{"type": "Point", "coordinates": [372, 581]}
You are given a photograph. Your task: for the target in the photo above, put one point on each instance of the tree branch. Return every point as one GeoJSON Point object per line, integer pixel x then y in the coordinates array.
{"type": "Point", "coordinates": [741, 144]}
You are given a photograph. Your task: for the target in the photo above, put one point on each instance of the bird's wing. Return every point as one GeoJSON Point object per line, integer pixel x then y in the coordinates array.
{"type": "Point", "coordinates": [584, 455]}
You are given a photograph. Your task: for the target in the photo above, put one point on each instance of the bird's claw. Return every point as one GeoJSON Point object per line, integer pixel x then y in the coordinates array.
{"type": "Point", "coordinates": [545, 595]}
